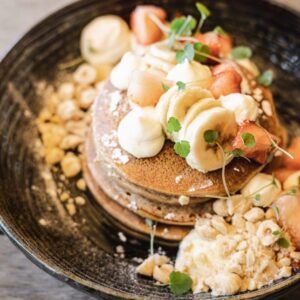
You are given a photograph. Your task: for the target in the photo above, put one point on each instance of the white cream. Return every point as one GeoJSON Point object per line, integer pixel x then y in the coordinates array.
{"type": "Point", "coordinates": [243, 106]}
{"type": "Point", "coordinates": [121, 73]}
{"type": "Point", "coordinates": [263, 185]}
{"type": "Point", "coordinates": [189, 72]}
{"type": "Point", "coordinates": [105, 40]}
{"type": "Point", "coordinates": [140, 133]}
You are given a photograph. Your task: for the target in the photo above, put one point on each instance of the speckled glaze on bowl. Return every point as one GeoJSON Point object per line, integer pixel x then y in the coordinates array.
{"type": "Point", "coordinates": [79, 250]}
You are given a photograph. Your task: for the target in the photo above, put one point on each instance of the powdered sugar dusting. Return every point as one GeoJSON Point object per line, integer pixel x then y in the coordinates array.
{"type": "Point", "coordinates": [133, 205]}
{"type": "Point", "coordinates": [109, 140]}
{"type": "Point", "coordinates": [169, 216]}
{"type": "Point", "coordinates": [115, 98]}
{"type": "Point", "coordinates": [178, 178]}
{"type": "Point", "coordinates": [119, 157]}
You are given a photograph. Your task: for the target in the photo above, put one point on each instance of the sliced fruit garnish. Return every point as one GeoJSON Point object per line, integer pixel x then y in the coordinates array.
{"type": "Point", "coordinates": [226, 80]}
{"type": "Point", "coordinates": [145, 30]}
{"type": "Point", "coordinates": [254, 140]}
{"type": "Point", "coordinates": [220, 45]}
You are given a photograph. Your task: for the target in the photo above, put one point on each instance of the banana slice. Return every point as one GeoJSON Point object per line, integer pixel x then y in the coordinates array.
{"type": "Point", "coordinates": [203, 157]}
{"type": "Point", "coordinates": [195, 110]}
{"type": "Point", "coordinates": [183, 101]}
{"type": "Point", "coordinates": [243, 106]}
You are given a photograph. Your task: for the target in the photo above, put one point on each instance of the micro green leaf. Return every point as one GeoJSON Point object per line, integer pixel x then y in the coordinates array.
{"type": "Point", "coordinates": [283, 242]}
{"type": "Point", "coordinates": [241, 52]}
{"type": "Point", "coordinates": [181, 26]}
{"type": "Point", "coordinates": [276, 211]}
{"type": "Point", "coordinates": [276, 232]}
{"type": "Point", "coordinates": [149, 222]}
{"type": "Point", "coordinates": [292, 191]}
{"type": "Point", "coordinates": [204, 12]}
{"type": "Point", "coordinates": [165, 86]}
{"type": "Point", "coordinates": [187, 53]}
{"type": "Point", "coordinates": [173, 125]}
{"type": "Point", "coordinates": [180, 283]}
{"type": "Point", "coordinates": [219, 30]}
{"type": "Point", "coordinates": [182, 148]}
{"type": "Point", "coordinates": [201, 49]}
{"type": "Point", "coordinates": [273, 182]}
{"type": "Point", "coordinates": [237, 152]}
{"type": "Point", "coordinates": [180, 85]}
{"type": "Point", "coordinates": [210, 136]}
{"type": "Point", "coordinates": [248, 139]}
{"type": "Point", "coordinates": [265, 78]}
{"type": "Point", "coordinates": [257, 197]}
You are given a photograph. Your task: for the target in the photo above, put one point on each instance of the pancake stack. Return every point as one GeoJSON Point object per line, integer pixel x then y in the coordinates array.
{"type": "Point", "coordinates": [131, 190]}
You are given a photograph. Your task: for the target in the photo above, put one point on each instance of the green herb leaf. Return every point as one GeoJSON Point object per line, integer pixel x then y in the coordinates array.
{"type": "Point", "coordinates": [237, 152]}
{"type": "Point", "coordinates": [257, 197]}
{"type": "Point", "coordinates": [219, 30]}
{"type": "Point", "coordinates": [292, 191]}
{"type": "Point", "coordinates": [265, 78]}
{"type": "Point", "coordinates": [180, 85]}
{"type": "Point", "coordinates": [180, 283]}
{"type": "Point", "coordinates": [165, 86]}
{"type": "Point", "coordinates": [276, 232]}
{"type": "Point", "coordinates": [181, 26]}
{"type": "Point", "coordinates": [182, 148]}
{"type": "Point", "coordinates": [204, 12]}
{"type": "Point", "coordinates": [187, 53]}
{"type": "Point", "coordinates": [210, 136]}
{"type": "Point", "coordinates": [273, 182]}
{"type": "Point", "coordinates": [276, 211]}
{"type": "Point", "coordinates": [173, 125]}
{"type": "Point", "coordinates": [248, 139]}
{"type": "Point", "coordinates": [149, 223]}
{"type": "Point", "coordinates": [241, 52]}
{"type": "Point", "coordinates": [201, 49]}
{"type": "Point", "coordinates": [283, 242]}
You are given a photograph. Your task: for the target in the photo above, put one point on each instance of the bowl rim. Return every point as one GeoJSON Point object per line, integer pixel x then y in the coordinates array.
{"type": "Point", "coordinates": [277, 288]}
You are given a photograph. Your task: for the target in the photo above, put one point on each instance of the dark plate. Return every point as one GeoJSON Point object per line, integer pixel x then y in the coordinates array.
{"type": "Point", "coordinates": [80, 250]}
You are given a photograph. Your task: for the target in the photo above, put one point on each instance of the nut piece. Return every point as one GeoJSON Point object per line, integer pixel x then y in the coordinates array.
{"type": "Point", "coordinates": [219, 224]}
{"type": "Point", "coordinates": [70, 165]}
{"type": "Point", "coordinates": [79, 200]}
{"type": "Point", "coordinates": [220, 207]}
{"type": "Point", "coordinates": [87, 97]}
{"type": "Point", "coordinates": [54, 155]}
{"type": "Point", "coordinates": [68, 110]}
{"type": "Point", "coordinates": [162, 273]}
{"type": "Point", "coordinates": [66, 90]}
{"type": "Point", "coordinates": [265, 232]}
{"type": "Point", "coordinates": [238, 204]}
{"type": "Point", "coordinates": [254, 214]}
{"type": "Point", "coordinates": [184, 200]}
{"type": "Point", "coordinates": [146, 267]}
{"type": "Point", "coordinates": [85, 74]}
{"type": "Point", "coordinates": [81, 185]}
{"type": "Point", "coordinates": [71, 141]}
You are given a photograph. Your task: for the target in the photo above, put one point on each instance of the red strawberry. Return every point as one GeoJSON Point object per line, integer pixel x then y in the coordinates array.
{"type": "Point", "coordinates": [219, 45]}
{"type": "Point", "coordinates": [259, 151]}
{"type": "Point", "coordinates": [143, 27]}
{"type": "Point", "coordinates": [226, 80]}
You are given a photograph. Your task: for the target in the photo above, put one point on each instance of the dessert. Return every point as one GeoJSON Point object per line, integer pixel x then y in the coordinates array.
{"type": "Point", "coordinates": [183, 133]}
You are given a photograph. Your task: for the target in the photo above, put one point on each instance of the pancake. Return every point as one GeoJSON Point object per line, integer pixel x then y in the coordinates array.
{"type": "Point", "coordinates": [163, 213]}
{"type": "Point", "coordinates": [129, 221]}
{"type": "Point", "coordinates": [157, 178]}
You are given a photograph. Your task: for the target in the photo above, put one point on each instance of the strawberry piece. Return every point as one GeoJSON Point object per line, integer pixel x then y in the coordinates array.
{"type": "Point", "coordinates": [219, 45]}
{"type": "Point", "coordinates": [143, 27]}
{"type": "Point", "coordinates": [259, 151]}
{"type": "Point", "coordinates": [294, 150]}
{"type": "Point", "coordinates": [226, 80]}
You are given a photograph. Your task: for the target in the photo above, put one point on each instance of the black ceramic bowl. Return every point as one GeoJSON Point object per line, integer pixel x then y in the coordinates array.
{"type": "Point", "coordinates": [79, 250]}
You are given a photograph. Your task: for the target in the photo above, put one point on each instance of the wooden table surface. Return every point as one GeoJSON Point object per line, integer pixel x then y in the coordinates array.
{"type": "Point", "coordinates": [19, 278]}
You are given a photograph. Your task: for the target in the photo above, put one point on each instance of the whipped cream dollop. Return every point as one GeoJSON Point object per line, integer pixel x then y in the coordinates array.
{"type": "Point", "coordinates": [140, 133]}
{"type": "Point", "coordinates": [121, 73]}
{"type": "Point", "coordinates": [189, 72]}
{"type": "Point", "coordinates": [104, 40]}
{"type": "Point", "coordinates": [243, 106]}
